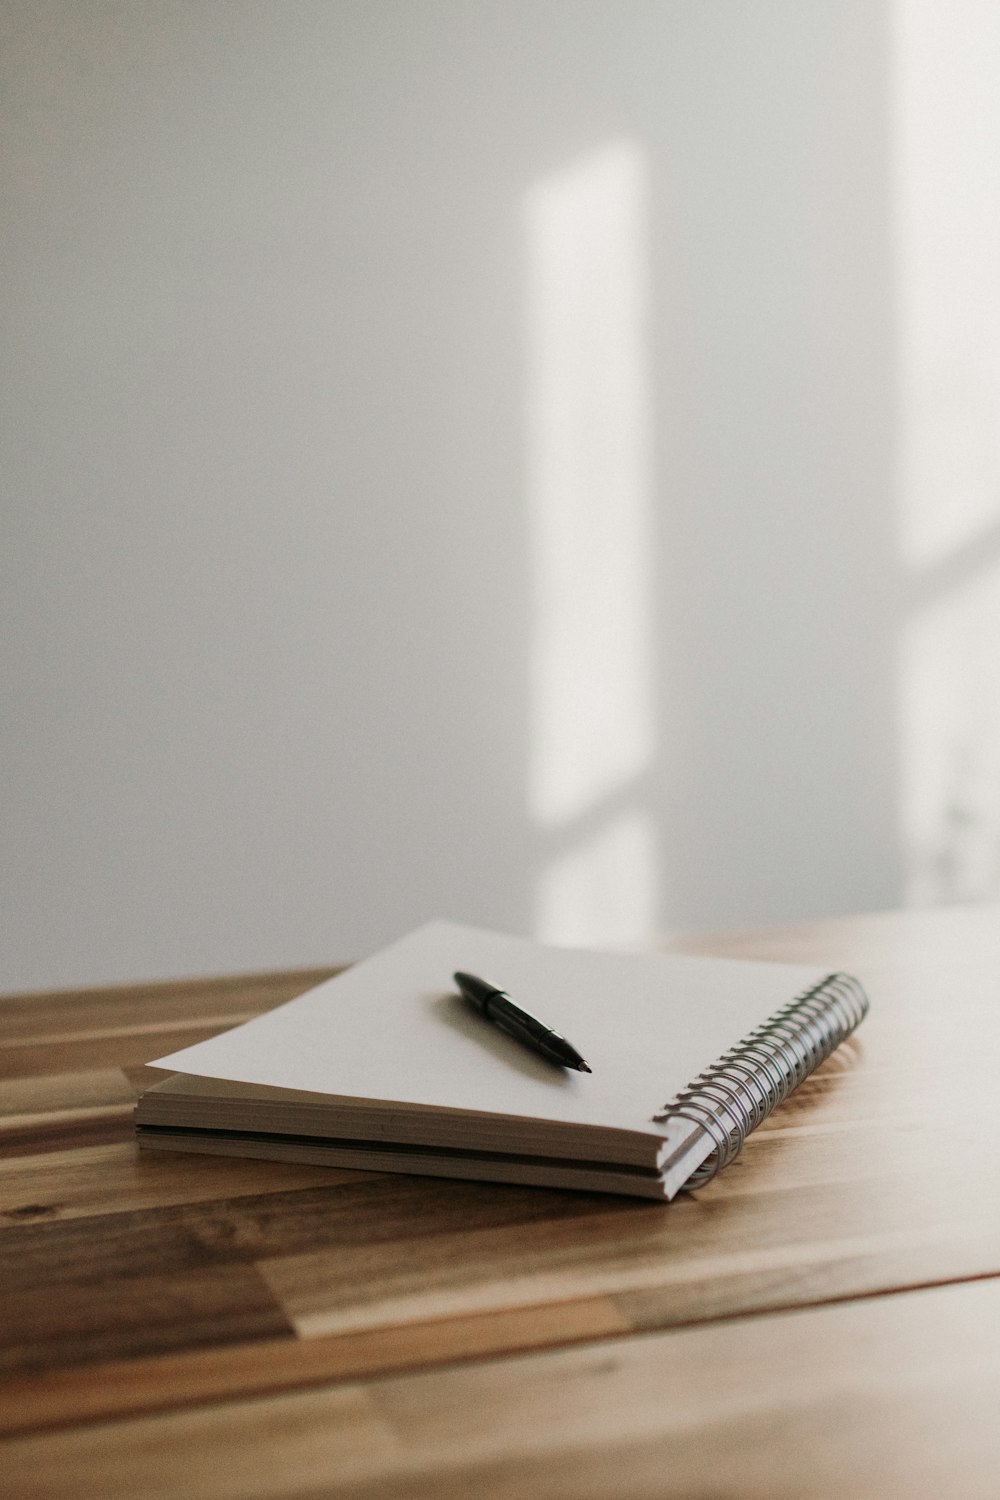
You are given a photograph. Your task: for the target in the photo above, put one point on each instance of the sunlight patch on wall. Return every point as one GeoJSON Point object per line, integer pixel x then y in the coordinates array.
{"type": "Point", "coordinates": [946, 137]}
{"type": "Point", "coordinates": [591, 721]}
{"type": "Point", "coordinates": [590, 670]}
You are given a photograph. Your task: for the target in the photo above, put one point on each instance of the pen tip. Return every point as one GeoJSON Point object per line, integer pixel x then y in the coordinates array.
{"type": "Point", "coordinates": [583, 1067]}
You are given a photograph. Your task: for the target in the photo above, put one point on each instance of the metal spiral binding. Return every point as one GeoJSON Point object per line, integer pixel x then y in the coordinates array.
{"type": "Point", "coordinates": [731, 1097]}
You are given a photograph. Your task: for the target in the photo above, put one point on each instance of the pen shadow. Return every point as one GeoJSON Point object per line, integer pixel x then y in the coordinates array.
{"type": "Point", "coordinates": [455, 1012]}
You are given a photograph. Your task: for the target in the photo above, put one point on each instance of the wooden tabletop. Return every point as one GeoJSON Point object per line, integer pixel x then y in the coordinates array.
{"type": "Point", "coordinates": [822, 1320]}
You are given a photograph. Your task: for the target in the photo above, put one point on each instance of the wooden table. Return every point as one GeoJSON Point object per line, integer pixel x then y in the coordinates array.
{"type": "Point", "coordinates": [823, 1320]}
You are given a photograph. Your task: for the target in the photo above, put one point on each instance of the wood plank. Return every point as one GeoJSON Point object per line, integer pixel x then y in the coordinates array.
{"type": "Point", "coordinates": [350, 1214]}
{"type": "Point", "coordinates": [243, 1463]}
{"type": "Point", "coordinates": [58, 1396]}
{"type": "Point", "coordinates": [712, 1257]}
{"type": "Point", "coordinates": [125, 1025]}
{"type": "Point", "coordinates": [108, 1317]}
{"type": "Point", "coordinates": [75, 1289]}
{"type": "Point", "coordinates": [55, 1013]}
{"type": "Point", "coordinates": [892, 945]}
{"type": "Point", "coordinates": [119, 1179]}
{"type": "Point", "coordinates": [122, 1048]}
{"type": "Point", "coordinates": [73, 1129]}
{"type": "Point", "coordinates": [66, 1111]}
{"type": "Point", "coordinates": [896, 1395]}
{"type": "Point", "coordinates": [31, 1097]}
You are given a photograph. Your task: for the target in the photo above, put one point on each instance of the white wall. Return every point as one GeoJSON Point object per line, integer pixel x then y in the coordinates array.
{"type": "Point", "coordinates": [274, 578]}
{"type": "Point", "coordinates": [946, 133]}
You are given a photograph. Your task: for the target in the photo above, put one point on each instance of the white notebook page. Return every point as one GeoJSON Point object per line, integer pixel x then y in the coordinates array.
{"type": "Point", "coordinates": [393, 1028]}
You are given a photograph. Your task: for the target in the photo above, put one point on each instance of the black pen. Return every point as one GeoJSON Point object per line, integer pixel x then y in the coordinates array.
{"type": "Point", "coordinates": [497, 1006]}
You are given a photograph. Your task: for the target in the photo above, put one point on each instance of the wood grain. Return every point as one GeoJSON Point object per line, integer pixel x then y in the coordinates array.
{"type": "Point", "coordinates": [63, 1395]}
{"type": "Point", "coordinates": [892, 1397]}
{"type": "Point", "coordinates": [166, 1306]}
{"type": "Point", "coordinates": [93, 1181]}
{"type": "Point", "coordinates": [83, 1030]}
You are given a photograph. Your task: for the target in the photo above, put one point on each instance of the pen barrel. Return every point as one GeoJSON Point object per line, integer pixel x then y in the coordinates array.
{"type": "Point", "coordinates": [479, 994]}
{"type": "Point", "coordinates": [499, 1009]}
{"type": "Point", "coordinates": [527, 1028]}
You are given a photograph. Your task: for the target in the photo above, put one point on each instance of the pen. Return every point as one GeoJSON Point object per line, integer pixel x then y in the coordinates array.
{"type": "Point", "coordinates": [497, 1006]}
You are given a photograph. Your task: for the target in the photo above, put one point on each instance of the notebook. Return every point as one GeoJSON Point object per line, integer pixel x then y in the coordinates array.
{"type": "Point", "coordinates": [386, 1067]}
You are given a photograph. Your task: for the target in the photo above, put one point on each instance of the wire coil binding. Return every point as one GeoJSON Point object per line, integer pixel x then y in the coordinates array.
{"type": "Point", "coordinates": [731, 1097]}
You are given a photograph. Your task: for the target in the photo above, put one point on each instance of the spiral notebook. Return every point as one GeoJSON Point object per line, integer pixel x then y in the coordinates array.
{"type": "Point", "coordinates": [385, 1067]}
